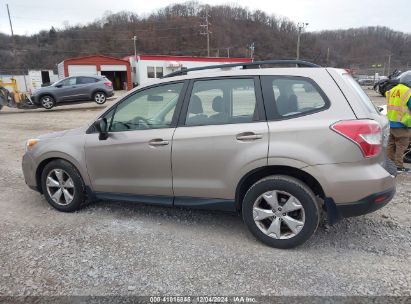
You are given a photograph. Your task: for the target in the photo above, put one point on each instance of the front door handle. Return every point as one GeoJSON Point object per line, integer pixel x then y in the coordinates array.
{"type": "Point", "coordinates": [158, 142]}
{"type": "Point", "coordinates": [248, 136]}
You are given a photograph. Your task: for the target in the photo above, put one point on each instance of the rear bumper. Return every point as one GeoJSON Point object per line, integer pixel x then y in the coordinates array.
{"type": "Point", "coordinates": [369, 204]}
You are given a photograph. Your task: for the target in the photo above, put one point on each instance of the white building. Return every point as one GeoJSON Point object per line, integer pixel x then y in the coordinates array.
{"type": "Point", "coordinates": [146, 67]}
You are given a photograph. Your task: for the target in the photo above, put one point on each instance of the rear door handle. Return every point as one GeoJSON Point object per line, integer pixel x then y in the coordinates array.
{"type": "Point", "coordinates": [158, 142]}
{"type": "Point", "coordinates": [248, 136]}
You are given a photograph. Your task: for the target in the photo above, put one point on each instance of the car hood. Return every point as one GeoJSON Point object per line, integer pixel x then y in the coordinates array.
{"type": "Point", "coordinates": [58, 134]}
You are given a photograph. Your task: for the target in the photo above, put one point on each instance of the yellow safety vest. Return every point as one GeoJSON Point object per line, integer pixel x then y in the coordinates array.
{"type": "Point", "coordinates": [398, 110]}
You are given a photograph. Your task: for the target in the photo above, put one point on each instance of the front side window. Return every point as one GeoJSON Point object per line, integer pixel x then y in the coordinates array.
{"type": "Point", "coordinates": [222, 101]}
{"type": "Point", "coordinates": [295, 96]}
{"type": "Point", "coordinates": [68, 82]}
{"type": "Point", "coordinates": [151, 108]}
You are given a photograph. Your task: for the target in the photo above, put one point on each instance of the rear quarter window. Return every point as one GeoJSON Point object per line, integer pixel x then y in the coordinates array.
{"type": "Point", "coordinates": [361, 94]}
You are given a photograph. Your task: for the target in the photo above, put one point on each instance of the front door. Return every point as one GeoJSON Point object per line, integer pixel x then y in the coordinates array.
{"type": "Point", "coordinates": [135, 160]}
{"type": "Point", "coordinates": [222, 137]}
{"type": "Point", "coordinates": [68, 89]}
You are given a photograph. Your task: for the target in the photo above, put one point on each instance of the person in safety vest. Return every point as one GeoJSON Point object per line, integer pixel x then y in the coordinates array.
{"type": "Point", "coordinates": [399, 114]}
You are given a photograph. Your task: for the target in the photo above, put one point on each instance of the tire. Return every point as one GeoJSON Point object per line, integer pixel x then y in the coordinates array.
{"type": "Point", "coordinates": [302, 204]}
{"type": "Point", "coordinates": [47, 101]}
{"type": "Point", "coordinates": [407, 155]}
{"type": "Point", "coordinates": [100, 97]}
{"type": "Point", "coordinates": [52, 180]}
{"type": "Point", "coordinates": [1, 107]}
{"type": "Point", "coordinates": [382, 90]}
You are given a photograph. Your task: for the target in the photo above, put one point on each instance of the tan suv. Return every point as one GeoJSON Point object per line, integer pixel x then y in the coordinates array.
{"type": "Point", "coordinates": [280, 145]}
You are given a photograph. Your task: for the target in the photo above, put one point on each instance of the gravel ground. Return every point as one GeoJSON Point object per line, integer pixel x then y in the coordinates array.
{"type": "Point", "coordinates": [114, 248]}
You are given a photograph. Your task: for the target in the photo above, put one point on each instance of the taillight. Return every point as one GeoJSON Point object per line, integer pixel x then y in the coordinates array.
{"type": "Point", "coordinates": [108, 83]}
{"type": "Point", "coordinates": [366, 134]}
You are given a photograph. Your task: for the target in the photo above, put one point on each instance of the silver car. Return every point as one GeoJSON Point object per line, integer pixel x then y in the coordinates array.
{"type": "Point", "coordinates": [74, 89]}
{"type": "Point", "coordinates": [283, 146]}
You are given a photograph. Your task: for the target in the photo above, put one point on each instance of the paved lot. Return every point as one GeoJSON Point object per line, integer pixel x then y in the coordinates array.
{"type": "Point", "coordinates": [112, 248]}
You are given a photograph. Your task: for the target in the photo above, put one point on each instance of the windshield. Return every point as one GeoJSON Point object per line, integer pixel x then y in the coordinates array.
{"type": "Point", "coordinates": [363, 96]}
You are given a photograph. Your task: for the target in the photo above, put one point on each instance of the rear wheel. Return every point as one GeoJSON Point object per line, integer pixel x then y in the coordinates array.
{"type": "Point", "coordinates": [47, 102]}
{"type": "Point", "coordinates": [62, 186]}
{"type": "Point", "coordinates": [100, 97]}
{"type": "Point", "coordinates": [281, 211]}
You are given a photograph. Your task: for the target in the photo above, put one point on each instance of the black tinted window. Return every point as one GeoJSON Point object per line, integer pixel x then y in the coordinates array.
{"type": "Point", "coordinates": [85, 80]}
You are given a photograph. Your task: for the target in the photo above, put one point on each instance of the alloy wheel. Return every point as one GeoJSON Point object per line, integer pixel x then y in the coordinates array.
{"type": "Point", "coordinates": [278, 214]}
{"type": "Point", "coordinates": [60, 187]}
{"type": "Point", "coordinates": [47, 102]}
{"type": "Point", "coordinates": [99, 98]}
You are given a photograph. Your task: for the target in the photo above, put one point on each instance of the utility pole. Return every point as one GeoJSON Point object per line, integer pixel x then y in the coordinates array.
{"type": "Point", "coordinates": [135, 47]}
{"type": "Point", "coordinates": [11, 28]}
{"type": "Point", "coordinates": [206, 31]}
{"type": "Point", "coordinates": [301, 26]}
{"type": "Point", "coordinates": [252, 49]}
{"type": "Point", "coordinates": [389, 64]}
{"type": "Point", "coordinates": [228, 54]}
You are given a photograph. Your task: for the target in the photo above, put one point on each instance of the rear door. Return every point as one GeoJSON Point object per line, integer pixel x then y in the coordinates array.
{"type": "Point", "coordinates": [222, 135]}
{"type": "Point", "coordinates": [86, 86]}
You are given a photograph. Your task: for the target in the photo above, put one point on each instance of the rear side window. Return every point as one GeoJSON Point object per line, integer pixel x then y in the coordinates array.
{"type": "Point", "coordinates": [222, 101]}
{"type": "Point", "coordinates": [294, 96]}
{"type": "Point", "coordinates": [359, 91]}
{"type": "Point", "coordinates": [86, 80]}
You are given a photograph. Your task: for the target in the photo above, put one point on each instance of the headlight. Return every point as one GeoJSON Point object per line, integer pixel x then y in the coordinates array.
{"type": "Point", "coordinates": [31, 143]}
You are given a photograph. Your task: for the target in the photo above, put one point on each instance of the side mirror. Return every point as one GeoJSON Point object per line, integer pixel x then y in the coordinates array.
{"type": "Point", "coordinates": [102, 128]}
{"type": "Point", "coordinates": [59, 85]}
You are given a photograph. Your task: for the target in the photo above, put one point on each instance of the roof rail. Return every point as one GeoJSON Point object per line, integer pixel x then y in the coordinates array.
{"type": "Point", "coordinates": [245, 65]}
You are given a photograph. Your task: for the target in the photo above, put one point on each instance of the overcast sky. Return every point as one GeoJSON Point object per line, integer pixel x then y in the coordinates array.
{"type": "Point", "coordinates": [30, 16]}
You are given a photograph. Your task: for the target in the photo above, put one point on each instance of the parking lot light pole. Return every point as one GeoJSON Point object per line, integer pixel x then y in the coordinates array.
{"type": "Point", "coordinates": [301, 26]}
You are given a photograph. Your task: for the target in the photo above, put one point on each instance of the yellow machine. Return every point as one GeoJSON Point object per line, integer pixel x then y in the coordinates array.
{"type": "Point", "coordinates": [15, 98]}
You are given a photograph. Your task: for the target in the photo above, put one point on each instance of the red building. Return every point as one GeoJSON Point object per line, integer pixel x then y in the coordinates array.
{"type": "Point", "coordinates": [115, 69]}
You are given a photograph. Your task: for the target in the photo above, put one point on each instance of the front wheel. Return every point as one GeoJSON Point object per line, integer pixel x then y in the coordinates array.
{"type": "Point", "coordinates": [47, 102]}
{"type": "Point", "coordinates": [62, 186]}
{"type": "Point", "coordinates": [100, 97]}
{"type": "Point", "coordinates": [281, 211]}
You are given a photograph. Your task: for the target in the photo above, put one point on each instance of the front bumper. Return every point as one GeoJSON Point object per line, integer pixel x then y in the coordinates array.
{"type": "Point", "coordinates": [29, 172]}
{"type": "Point", "coordinates": [369, 204]}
